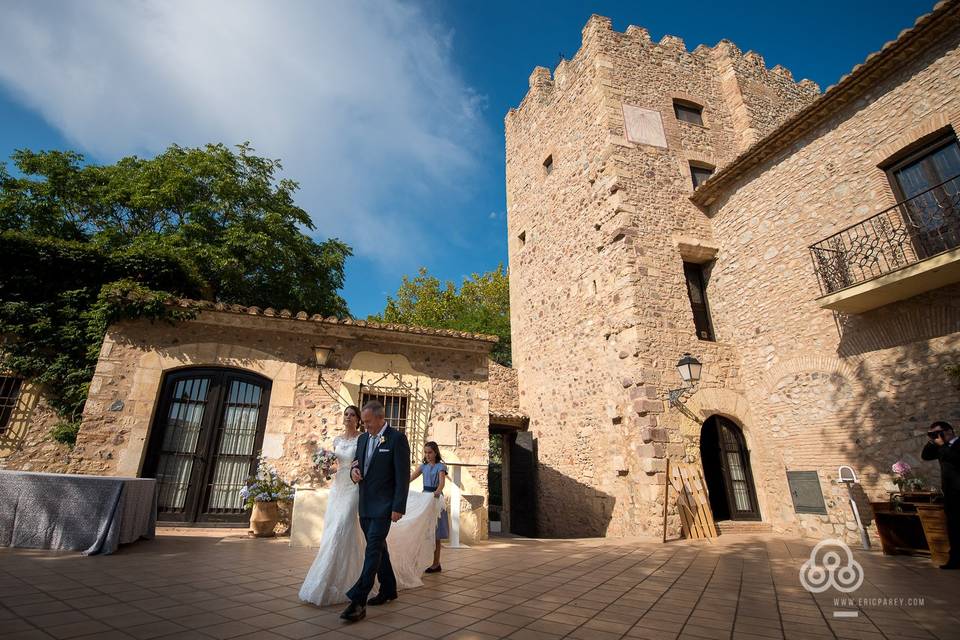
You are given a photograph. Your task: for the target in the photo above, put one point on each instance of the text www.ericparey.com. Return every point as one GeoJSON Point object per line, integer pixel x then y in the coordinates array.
{"type": "Point", "coordinates": [878, 602]}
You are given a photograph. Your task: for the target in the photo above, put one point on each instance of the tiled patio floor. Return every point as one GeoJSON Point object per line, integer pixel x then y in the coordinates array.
{"type": "Point", "coordinates": [226, 586]}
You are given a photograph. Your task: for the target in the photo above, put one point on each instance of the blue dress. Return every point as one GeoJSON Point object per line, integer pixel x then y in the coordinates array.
{"type": "Point", "coordinates": [431, 480]}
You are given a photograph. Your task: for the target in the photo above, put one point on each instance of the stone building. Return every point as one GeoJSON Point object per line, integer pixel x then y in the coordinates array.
{"type": "Point", "coordinates": [802, 246]}
{"type": "Point", "coordinates": [192, 403]}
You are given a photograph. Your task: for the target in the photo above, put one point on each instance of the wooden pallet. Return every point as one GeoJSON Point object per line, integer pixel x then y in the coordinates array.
{"type": "Point", "coordinates": [692, 501]}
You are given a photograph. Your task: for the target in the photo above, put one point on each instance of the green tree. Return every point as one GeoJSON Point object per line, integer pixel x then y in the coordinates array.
{"type": "Point", "coordinates": [222, 211]}
{"type": "Point", "coordinates": [84, 245]}
{"type": "Point", "coordinates": [481, 305]}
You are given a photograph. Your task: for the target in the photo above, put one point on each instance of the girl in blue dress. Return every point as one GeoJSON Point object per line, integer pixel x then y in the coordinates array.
{"type": "Point", "coordinates": [434, 474]}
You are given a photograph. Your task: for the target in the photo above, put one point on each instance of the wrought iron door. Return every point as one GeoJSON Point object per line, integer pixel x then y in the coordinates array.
{"type": "Point", "coordinates": [207, 431]}
{"type": "Point", "coordinates": [737, 476]}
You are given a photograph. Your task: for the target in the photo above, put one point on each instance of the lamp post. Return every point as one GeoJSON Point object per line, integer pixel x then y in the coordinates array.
{"type": "Point", "coordinates": [689, 369]}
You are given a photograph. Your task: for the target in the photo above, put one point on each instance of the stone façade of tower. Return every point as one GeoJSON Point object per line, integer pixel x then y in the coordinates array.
{"type": "Point", "coordinates": [598, 171]}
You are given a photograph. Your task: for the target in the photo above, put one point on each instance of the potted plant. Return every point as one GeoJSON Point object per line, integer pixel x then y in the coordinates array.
{"type": "Point", "coordinates": [905, 479]}
{"type": "Point", "coordinates": [260, 495]}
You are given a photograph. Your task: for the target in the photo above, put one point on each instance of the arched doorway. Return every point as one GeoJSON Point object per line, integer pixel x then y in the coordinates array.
{"type": "Point", "coordinates": [726, 469]}
{"type": "Point", "coordinates": [206, 434]}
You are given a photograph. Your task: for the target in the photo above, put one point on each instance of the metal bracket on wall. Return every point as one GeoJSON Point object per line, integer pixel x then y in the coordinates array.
{"type": "Point", "coordinates": [675, 398]}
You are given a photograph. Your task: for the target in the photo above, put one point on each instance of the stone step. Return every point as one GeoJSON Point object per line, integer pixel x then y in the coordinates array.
{"type": "Point", "coordinates": [732, 527]}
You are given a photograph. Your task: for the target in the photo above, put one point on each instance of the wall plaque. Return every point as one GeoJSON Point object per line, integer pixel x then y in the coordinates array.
{"type": "Point", "coordinates": [806, 493]}
{"type": "Point", "coordinates": [644, 126]}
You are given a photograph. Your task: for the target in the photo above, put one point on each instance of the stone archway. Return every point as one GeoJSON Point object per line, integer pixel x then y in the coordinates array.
{"type": "Point", "coordinates": [732, 406]}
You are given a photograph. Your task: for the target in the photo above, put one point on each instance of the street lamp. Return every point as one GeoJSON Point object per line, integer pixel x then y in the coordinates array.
{"type": "Point", "coordinates": [689, 369]}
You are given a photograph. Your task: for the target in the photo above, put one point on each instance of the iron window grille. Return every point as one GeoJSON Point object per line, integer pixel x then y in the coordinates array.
{"type": "Point", "coordinates": [9, 396]}
{"type": "Point", "coordinates": [395, 406]}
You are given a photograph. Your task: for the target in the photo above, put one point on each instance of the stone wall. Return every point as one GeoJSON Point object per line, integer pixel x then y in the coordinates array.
{"type": "Point", "coordinates": [26, 444]}
{"type": "Point", "coordinates": [306, 403]}
{"type": "Point", "coordinates": [504, 397]}
{"type": "Point", "coordinates": [598, 301]}
{"type": "Point", "coordinates": [829, 390]}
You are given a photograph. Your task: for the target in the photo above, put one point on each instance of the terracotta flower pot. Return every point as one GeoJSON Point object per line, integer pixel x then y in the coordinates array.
{"type": "Point", "coordinates": [263, 519]}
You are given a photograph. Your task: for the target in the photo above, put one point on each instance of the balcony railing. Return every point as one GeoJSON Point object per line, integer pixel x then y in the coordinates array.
{"type": "Point", "coordinates": [906, 233]}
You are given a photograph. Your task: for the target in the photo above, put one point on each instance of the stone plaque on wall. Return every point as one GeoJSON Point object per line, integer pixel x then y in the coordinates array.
{"type": "Point", "coordinates": [806, 493]}
{"type": "Point", "coordinates": [644, 126]}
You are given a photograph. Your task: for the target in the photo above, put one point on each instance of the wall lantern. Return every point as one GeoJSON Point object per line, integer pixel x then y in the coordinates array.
{"type": "Point", "coordinates": [689, 369]}
{"type": "Point", "coordinates": [322, 355]}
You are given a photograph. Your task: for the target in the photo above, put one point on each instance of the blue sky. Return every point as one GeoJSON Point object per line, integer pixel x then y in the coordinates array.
{"type": "Point", "coordinates": [389, 114]}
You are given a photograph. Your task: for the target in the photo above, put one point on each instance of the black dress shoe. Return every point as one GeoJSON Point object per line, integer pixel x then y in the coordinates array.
{"type": "Point", "coordinates": [380, 599]}
{"type": "Point", "coordinates": [436, 569]}
{"type": "Point", "coordinates": [354, 613]}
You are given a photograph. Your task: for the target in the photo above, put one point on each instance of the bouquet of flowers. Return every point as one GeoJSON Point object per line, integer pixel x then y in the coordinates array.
{"type": "Point", "coordinates": [265, 486]}
{"type": "Point", "coordinates": [904, 478]}
{"type": "Point", "coordinates": [324, 461]}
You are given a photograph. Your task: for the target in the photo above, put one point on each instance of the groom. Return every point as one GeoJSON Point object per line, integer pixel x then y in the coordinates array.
{"type": "Point", "coordinates": [382, 469]}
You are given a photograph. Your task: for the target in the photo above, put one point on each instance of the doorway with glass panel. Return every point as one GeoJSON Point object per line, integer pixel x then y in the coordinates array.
{"type": "Point", "coordinates": [206, 435]}
{"type": "Point", "coordinates": [726, 471]}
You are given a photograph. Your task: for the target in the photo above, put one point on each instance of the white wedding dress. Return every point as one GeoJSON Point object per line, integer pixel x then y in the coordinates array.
{"type": "Point", "coordinates": [340, 558]}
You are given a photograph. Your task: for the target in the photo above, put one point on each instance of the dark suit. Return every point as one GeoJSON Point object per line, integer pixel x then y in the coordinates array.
{"type": "Point", "coordinates": [949, 457]}
{"type": "Point", "coordinates": [383, 490]}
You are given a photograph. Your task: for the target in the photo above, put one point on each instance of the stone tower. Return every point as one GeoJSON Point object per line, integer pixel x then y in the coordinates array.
{"type": "Point", "coordinates": [600, 225]}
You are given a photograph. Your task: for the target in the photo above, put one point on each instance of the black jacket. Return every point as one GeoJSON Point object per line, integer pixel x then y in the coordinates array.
{"type": "Point", "coordinates": [386, 483]}
{"type": "Point", "coordinates": [949, 457]}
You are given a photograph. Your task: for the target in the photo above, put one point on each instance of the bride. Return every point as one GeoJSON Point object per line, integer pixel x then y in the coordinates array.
{"type": "Point", "coordinates": [340, 557]}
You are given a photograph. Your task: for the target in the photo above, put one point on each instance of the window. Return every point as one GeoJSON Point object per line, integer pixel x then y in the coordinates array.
{"type": "Point", "coordinates": [548, 164]}
{"type": "Point", "coordinates": [926, 168]}
{"type": "Point", "coordinates": [697, 292]}
{"type": "Point", "coordinates": [395, 407]}
{"type": "Point", "coordinates": [9, 395]}
{"type": "Point", "coordinates": [927, 182]}
{"type": "Point", "coordinates": [700, 173]}
{"type": "Point", "coordinates": [522, 237]}
{"type": "Point", "coordinates": [688, 112]}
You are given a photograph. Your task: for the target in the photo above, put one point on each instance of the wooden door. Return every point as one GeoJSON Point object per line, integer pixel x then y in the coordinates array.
{"type": "Point", "coordinates": [206, 435]}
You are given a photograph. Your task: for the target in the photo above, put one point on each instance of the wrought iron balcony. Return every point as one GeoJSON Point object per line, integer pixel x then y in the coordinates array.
{"type": "Point", "coordinates": [902, 251]}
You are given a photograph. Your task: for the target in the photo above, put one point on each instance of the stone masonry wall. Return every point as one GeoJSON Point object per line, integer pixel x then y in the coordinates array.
{"type": "Point", "coordinates": [598, 302]}
{"type": "Point", "coordinates": [826, 390]}
{"type": "Point", "coordinates": [304, 412]}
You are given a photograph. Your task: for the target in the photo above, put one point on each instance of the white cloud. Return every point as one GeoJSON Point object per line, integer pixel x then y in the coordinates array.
{"type": "Point", "coordinates": [359, 98]}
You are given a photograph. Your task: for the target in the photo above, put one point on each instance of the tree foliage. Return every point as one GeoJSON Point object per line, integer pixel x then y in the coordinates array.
{"type": "Point", "coordinates": [84, 245]}
{"type": "Point", "coordinates": [481, 305]}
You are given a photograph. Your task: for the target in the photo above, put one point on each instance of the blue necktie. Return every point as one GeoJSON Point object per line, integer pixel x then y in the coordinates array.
{"type": "Point", "coordinates": [371, 447]}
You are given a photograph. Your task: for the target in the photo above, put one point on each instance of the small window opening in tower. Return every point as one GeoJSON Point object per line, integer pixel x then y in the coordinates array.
{"type": "Point", "coordinates": [522, 237]}
{"type": "Point", "coordinates": [700, 174]}
{"type": "Point", "coordinates": [688, 112]}
{"type": "Point", "coordinates": [548, 164]}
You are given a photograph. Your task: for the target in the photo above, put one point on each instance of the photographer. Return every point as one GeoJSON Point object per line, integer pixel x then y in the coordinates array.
{"type": "Point", "coordinates": [943, 447]}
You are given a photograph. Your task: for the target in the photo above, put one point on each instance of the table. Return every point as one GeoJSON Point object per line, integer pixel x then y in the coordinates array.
{"type": "Point", "coordinates": [92, 514]}
{"type": "Point", "coordinates": [309, 512]}
{"type": "Point", "coordinates": [918, 528]}
{"type": "Point", "coordinates": [456, 492]}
